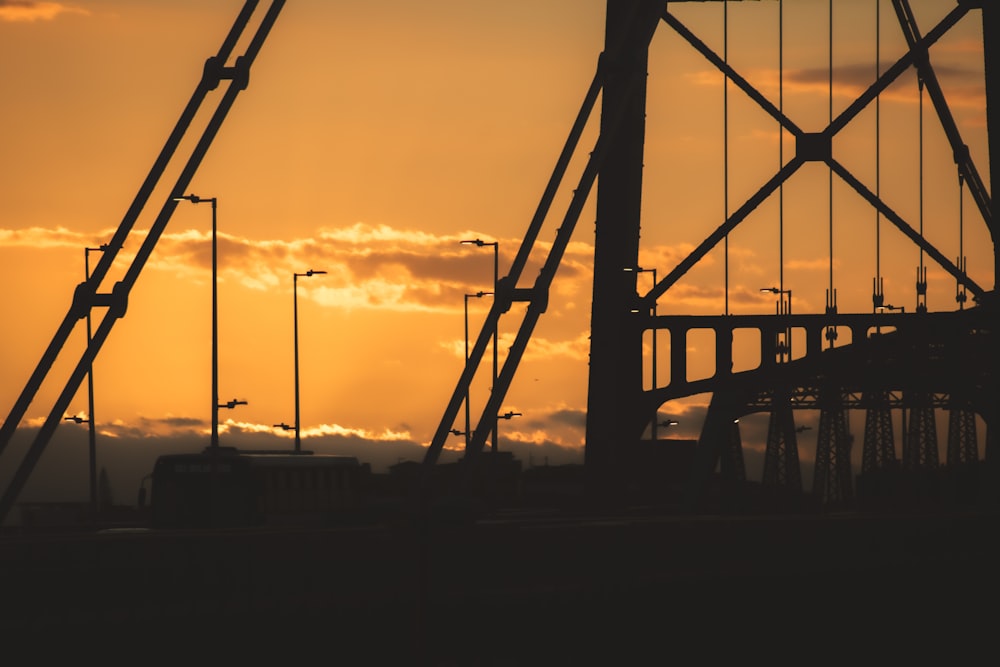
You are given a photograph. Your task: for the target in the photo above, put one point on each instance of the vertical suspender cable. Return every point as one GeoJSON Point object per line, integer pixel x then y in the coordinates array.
{"type": "Point", "coordinates": [877, 299]}
{"type": "Point", "coordinates": [832, 298]}
{"type": "Point", "coordinates": [959, 288]}
{"type": "Point", "coordinates": [781, 148]}
{"type": "Point", "coordinates": [921, 271]}
{"type": "Point", "coordinates": [787, 337]}
{"type": "Point", "coordinates": [725, 142]}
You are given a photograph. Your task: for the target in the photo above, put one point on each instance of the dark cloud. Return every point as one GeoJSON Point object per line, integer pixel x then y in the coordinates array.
{"type": "Point", "coordinates": [61, 474]}
{"type": "Point", "coordinates": [547, 452]}
{"type": "Point", "coordinates": [575, 418]}
{"type": "Point", "coordinates": [862, 75]}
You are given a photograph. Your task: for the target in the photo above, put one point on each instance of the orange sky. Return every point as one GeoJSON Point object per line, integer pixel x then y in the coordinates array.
{"type": "Point", "coordinates": [372, 139]}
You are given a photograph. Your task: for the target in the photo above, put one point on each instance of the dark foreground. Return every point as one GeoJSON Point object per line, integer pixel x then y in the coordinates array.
{"type": "Point", "coordinates": [524, 589]}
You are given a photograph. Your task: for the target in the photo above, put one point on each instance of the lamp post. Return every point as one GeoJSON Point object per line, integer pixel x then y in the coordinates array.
{"type": "Point", "coordinates": [652, 378]}
{"type": "Point", "coordinates": [195, 199]}
{"type": "Point", "coordinates": [468, 425]}
{"type": "Point", "coordinates": [785, 346]}
{"type": "Point", "coordinates": [295, 324]}
{"type": "Point", "coordinates": [76, 419]}
{"type": "Point", "coordinates": [91, 425]}
{"type": "Point", "coordinates": [496, 277]}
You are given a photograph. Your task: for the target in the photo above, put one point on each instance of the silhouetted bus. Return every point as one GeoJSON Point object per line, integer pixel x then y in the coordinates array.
{"type": "Point", "coordinates": [230, 488]}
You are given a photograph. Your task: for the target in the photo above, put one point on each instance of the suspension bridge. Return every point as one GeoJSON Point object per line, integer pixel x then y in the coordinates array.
{"type": "Point", "coordinates": [894, 365]}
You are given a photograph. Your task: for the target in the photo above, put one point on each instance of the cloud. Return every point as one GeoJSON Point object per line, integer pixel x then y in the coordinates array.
{"type": "Point", "coordinates": [27, 11]}
{"type": "Point", "coordinates": [375, 267]}
{"type": "Point", "coordinates": [539, 347]}
{"type": "Point", "coordinates": [963, 85]}
{"type": "Point", "coordinates": [378, 267]}
{"type": "Point", "coordinates": [40, 238]}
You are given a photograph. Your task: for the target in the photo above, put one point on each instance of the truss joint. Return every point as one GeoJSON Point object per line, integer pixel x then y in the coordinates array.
{"type": "Point", "coordinates": [814, 147]}
{"type": "Point", "coordinates": [215, 72]}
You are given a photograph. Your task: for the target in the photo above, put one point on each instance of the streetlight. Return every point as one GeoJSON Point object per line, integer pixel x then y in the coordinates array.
{"type": "Point", "coordinates": [468, 425]}
{"type": "Point", "coordinates": [652, 379]}
{"type": "Point", "coordinates": [890, 307]}
{"type": "Point", "coordinates": [784, 346]}
{"type": "Point", "coordinates": [781, 300]}
{"type": "Point", "coordinates": [295, 324]}
{"type": "Point", "coordinates": [91, 426]}
{"type": "Point", "coordinates": [496, 276]}
{"type": "Point", "coordinates": [76, 419]}
{"type": "Point", "coordinates": [508, 416]}
{"type": "Point", "coordinates": [195, 199]}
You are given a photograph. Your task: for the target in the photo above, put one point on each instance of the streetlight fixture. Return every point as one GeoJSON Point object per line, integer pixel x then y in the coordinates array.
{"type": "Point", "coordinates": [507, 415]}
{"type": "Point", "coordinates": [195, 199]}
{"type": "Point", "coordinates": [295, 326]}
{"type": "Point", "coordinates": [91, 425]}
{"type": "Point", "coordinates": [784, 347]}
{"type": "Point", "coordinates": [652, 379]}
{"type": "Point", "coordinates": [496, 277]}
{"type": "Point", "coordinates": [468, 425]}
{"type": "Point", "coordinates": [781, 300]}
{"type": "Point", "coordinates": [889, 307]}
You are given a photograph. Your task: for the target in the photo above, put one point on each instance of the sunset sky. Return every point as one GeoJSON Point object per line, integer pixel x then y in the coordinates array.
{"type": "Point", "coordinates": [372, 139]}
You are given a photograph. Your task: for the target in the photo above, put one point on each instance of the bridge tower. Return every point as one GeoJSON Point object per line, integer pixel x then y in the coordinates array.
{"type": "Point", "coordinates": [912, 356]}
{"type": "Point", "coordinates": [615, 406]}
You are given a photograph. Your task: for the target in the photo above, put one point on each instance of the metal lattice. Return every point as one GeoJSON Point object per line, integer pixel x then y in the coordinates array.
{"type": "Point", "coordinates": [833, 483]}
{"type": "Point", "coordinates": [879, 451]}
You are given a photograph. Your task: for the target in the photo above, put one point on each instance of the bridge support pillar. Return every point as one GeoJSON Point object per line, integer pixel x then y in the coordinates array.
{"type": "Point", "coordinates": [615, 413]}
{"type": "Point", "coordinates": [962, 437]}
{"type": "Point", "coordinates": [833, 483]}
{"type": "Point", "coordinates": [920, 446]}
{"type": "Point", "coordinates": [879, 448]}
{"type": "Point", "coordinates": [781, 457]}
{"type": "Point", "coordinates": [731, 465]}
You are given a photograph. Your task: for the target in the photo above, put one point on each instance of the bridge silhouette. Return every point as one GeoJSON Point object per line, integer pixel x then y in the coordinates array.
{"type": "Point", "coordinates": [913, 362]}
{"type": "Point", "coordinates": [592, 572]}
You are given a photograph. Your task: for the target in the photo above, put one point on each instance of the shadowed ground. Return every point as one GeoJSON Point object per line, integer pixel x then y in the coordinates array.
{"type": "Point", "coordinates": [535, 588]}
